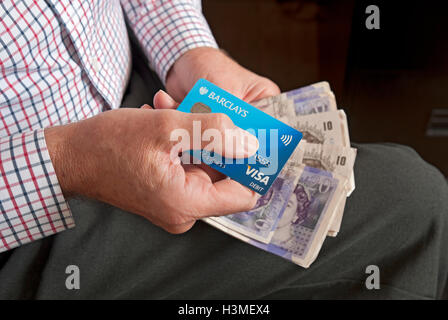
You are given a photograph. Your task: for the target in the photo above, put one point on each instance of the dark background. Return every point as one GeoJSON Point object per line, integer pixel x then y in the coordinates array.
{"type": "Point", "coordinates": [389, 81]}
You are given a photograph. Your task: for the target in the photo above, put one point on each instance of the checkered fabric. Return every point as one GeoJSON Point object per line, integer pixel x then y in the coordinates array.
{"type": "Point", "coordinates": [62, 61]}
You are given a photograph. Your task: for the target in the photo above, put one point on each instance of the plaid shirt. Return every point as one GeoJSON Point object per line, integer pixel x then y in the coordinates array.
{"type": "Point", "coordinates": [62, 61]}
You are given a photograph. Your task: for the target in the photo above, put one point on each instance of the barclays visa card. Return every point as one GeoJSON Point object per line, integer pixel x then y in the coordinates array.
{"type": "Point", "coordinates": [277, 141]}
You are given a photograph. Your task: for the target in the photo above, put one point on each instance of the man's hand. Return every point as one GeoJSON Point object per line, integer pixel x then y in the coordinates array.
{"type": "Point", "coordinates": [213, 65]}
{"type": "Point", "coordinates": [125, 157]}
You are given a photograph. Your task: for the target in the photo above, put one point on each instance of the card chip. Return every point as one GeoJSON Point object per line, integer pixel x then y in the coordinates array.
{"type": "Point", "coordinates": [199, 107]}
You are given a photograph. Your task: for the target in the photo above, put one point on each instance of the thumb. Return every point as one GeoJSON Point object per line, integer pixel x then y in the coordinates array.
{"type": "Point", "coordinates": [163, 100]}
{"type": "Point", "coordinates": [216, 132]}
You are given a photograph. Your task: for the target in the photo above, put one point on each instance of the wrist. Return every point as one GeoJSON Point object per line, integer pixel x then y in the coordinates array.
{"type": "Point", "coordinates": [65, 161]}
{"type": "Point", "coordinates": [193, 57]}
{"type": "Point", "coordinates": [191, 66]}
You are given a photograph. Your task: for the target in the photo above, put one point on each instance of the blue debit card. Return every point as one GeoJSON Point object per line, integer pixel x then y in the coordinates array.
{"type": "Point", "coordinates": [277, 141]}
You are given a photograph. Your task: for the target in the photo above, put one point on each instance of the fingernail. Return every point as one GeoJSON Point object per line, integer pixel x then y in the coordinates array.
{"type": "Point", "coordinates": [247, 142]}
{"type": "Point", "coordinates": [171, 100]}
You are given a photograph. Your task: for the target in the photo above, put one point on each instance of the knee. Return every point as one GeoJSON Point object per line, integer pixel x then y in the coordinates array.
{"type": "Point", "coordinates": [422, 182]}
{"type": "Point", "coordinates": [404, 181]}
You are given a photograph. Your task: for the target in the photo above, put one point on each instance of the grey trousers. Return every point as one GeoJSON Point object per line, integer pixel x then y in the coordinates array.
{"type": "Point", "coordinates": [397, 219]}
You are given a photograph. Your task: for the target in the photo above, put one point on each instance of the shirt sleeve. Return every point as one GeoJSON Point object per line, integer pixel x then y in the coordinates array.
{"type": "Point", "coordinates": [32, 205]}
{"type": "Point", "coordinates": [167, 29]}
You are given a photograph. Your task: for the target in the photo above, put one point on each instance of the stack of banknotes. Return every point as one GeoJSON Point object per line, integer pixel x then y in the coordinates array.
{"type": "Point", "coordinates": [306, 202]}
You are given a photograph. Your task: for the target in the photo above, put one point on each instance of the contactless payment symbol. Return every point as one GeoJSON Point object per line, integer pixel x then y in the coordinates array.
{"type": "Point", "coordinates": [286, 139]}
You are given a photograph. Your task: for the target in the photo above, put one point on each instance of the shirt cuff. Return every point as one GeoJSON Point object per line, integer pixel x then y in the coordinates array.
{"type": "Point", "coordinates": [168, 29]}
{"type": "Point", "coordinates": [32, 205]}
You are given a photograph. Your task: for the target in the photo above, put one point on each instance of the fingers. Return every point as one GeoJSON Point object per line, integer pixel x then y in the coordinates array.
{"type": "Point", "coordinates": [163, 100]}
{"type": "Point", "coordinates": [271, 89]}
{"type": "Point", "coordinates": [262, 89]}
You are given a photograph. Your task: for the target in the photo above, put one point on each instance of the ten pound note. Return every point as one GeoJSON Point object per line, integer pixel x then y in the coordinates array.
{"type": "Point", "coordinates": [306, 202]}
{"type": "Point", "coordinates": [306, 218]}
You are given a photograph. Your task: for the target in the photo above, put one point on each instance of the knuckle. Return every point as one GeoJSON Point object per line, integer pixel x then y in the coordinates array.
{"type": "Point", "coordinates": [171, 229]}
{"type": "Point", "coordinates": [178, 229]}
{"type": "Point", "coordinates": [271, 87]}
